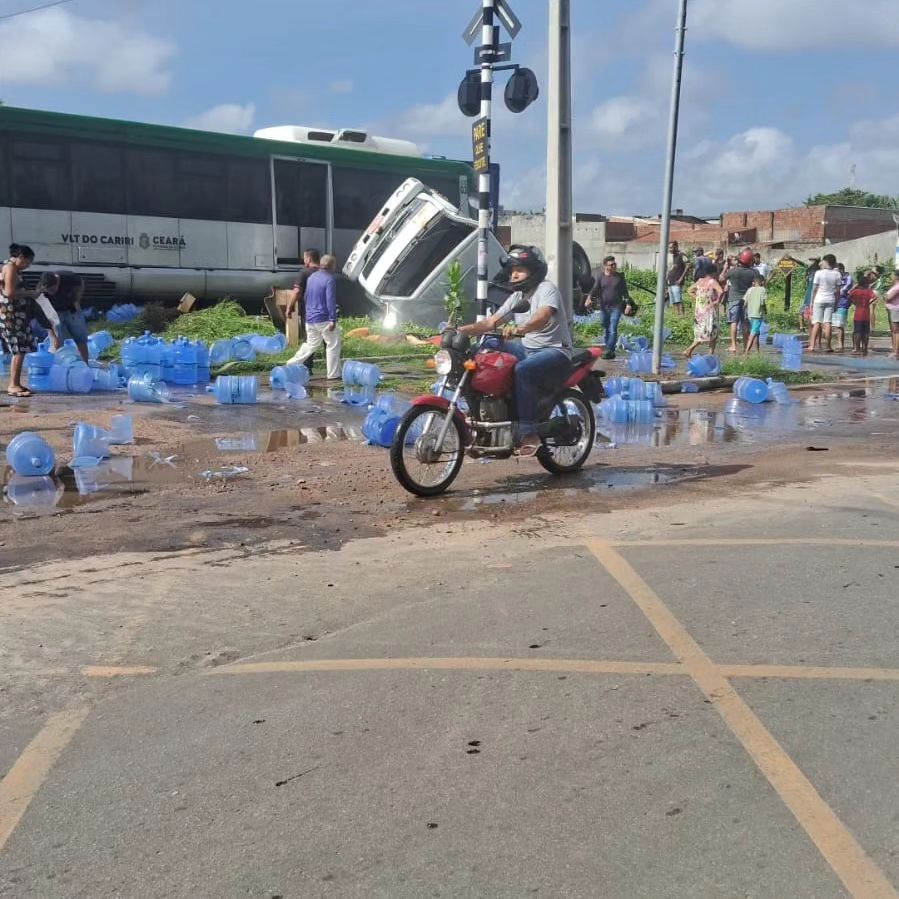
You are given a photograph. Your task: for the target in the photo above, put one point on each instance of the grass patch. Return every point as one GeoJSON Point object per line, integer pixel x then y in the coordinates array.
{"type": "Point", "coordinates": [763, 367]}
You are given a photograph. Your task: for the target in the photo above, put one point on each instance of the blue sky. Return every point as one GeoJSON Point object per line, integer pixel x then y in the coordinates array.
{"type": "Point", "coordinates": [771, 110]}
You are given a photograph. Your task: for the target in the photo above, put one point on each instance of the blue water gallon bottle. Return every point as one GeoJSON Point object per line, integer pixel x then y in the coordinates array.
{"type": "Point", "coordinates": [149, 361]}
{"type": "Point", "coordinates": [37, 367]}
{"type": "Point", "coordinates": [219, 353]}
{"type": "Point", "coordinates": [269, 345]}
{"type": "Point", "coordinates": [363, 374]}
{"type": "Point", "coordinates": [380, 426]}
{"type": "Point", "coordinates": [234, 389]}
{"type": "Point", "coordinates": [763, 333]}
{"type": "Point", "coordinates": [779, 392]}
{"type": "Point", "coordinates": [752, 390]}
{"type": "Point", "coordinates": [89, 440]}
{"type": "Point", "coordinates": [282, 374]}
{"type": "Point", "coordinates": [33, 492]}
{"type": "Point", "coordinates": [791, 355]}
{"type": "Point", "coordinates": [143, 389]}
{"type": "Point", "coordinates": [202, 353]}
{"type": "Point", "coordinates": [28, 454]}
{"type": "Point", "coordinates": [704, 366]}
{"type": "Point", "coordinates": [640, 362]}
{"type": "Point", "coordinates": [67, 353]}
{"type": "Point", "coordinates": [105, 379]}
{"type": "Point", "coordinates": [79, 377]}
{"type": "Point", "coordinates": [185, 362]}
{"type": "Point", "coordinates": [354, 395]}
{"type": "Point", "coordinates": [242, 348]}
{"type": "Point", "coordinates": [121, 429]}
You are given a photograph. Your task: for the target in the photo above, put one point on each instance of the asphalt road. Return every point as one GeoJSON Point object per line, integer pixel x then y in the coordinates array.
{"type": "Point", "coordinates": [692, 700]}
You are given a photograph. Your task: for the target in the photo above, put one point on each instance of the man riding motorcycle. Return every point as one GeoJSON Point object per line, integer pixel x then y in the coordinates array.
{"type": "Point", "coordinates": [544, 347]}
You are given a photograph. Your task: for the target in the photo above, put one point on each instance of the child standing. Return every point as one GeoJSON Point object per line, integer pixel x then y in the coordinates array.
{"type": "Point", "coordinates": [864, 299]}
{"type": "Point", "coordinates": [756, 299]}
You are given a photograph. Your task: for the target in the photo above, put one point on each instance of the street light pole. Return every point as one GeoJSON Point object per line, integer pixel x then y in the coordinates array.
{"type": "Point", "coordinates": [488, 44]}
{"type": "Point", "coordinates": [558, 152]}
{"type": "Point", "coordinates": [665, 228]}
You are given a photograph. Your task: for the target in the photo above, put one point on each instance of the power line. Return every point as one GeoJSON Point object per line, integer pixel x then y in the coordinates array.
{"type": "Point", "coordinates": [24, 12]}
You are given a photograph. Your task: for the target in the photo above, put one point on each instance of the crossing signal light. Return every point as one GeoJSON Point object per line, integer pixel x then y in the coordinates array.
{"type": "Point", "coordinates": [521, 90]}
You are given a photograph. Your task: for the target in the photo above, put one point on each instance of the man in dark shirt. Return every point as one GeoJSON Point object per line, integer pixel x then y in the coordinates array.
{"type": "Point", "coordinates": [64, 290]}
{"type": "Point", "coordinates": [311, 264]}
{"type": "Point", "coordinates": [739, 280]}
{"type": "Point", "coordinates": [609, 296]}
{"type": "Point", "coordinates": [677, 271]}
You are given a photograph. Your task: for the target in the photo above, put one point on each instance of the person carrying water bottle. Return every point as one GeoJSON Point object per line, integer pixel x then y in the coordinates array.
{"type": "Point", "coordinates": [64, 290]}
{"type": "Point", "coordinates": [321, 318]}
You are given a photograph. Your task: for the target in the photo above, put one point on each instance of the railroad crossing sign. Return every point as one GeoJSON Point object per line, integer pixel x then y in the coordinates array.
{"type": "Point", "coordinates": [503, 11]}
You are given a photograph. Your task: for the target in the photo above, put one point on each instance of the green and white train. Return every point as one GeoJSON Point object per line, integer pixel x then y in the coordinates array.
{"type": "Point", "coordinates": [147, 212]}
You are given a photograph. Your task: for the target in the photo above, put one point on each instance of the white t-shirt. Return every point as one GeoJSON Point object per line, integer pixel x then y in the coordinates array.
{"type": "Point", "coordinates": [829, 281]}
{"type": "Point", "coordinates": [763, 269]}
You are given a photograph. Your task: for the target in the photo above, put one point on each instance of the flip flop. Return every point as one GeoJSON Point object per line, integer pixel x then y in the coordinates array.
{"type": "Point", "coordinates": [20, 394]}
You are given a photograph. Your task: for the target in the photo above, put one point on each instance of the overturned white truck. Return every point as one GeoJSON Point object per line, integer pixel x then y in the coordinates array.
{"type": "Point", "coordinates": [401, 259]}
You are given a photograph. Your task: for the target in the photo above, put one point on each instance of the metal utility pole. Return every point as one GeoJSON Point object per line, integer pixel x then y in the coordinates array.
{"type": "Point", "coordinates": [489, 40]}
{"type": "Point", "coordinates": [665, 229]}
{"type": "Point", "coordinates": [558, 152]}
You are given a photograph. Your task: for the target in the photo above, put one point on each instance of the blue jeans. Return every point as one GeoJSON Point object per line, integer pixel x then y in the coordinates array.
{"type": "Point", "coordinates": [610, 319]}
{"type": "Point", "coordinates": [538, 373]}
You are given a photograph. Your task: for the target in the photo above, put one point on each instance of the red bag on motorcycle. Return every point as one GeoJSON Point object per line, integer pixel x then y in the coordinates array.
{"type": "Point", "coordinates": [495, 373]}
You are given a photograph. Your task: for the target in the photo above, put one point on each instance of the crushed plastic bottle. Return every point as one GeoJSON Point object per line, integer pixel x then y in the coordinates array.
{"type": "Point", "coordinates": [223, 473]}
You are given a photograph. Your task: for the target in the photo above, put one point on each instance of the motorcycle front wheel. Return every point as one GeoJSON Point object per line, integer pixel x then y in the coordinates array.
{"type": "Point", "coordinates": [414, 457]}
{"type": "Point", "coordinates": [567, 459]}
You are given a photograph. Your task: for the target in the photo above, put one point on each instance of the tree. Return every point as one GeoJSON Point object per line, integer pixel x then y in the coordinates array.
{"type": "Point", "coordinates": [850, 196]}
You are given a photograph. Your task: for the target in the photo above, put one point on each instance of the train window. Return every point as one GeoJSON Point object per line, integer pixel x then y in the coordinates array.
{"type": "Point", "coordinates": [301, 190]}
{"type": "Point", "coordinates": [152, 186]}
{"type": "Point", "coordinates": [249, 191]}
{"type": "Point", "coordinates": [39, 174]}
{"type": "Point", "coordinates": [98, 178]}
{"type": "Point", "coordinates": [359, 194]}
{"type": "Point", "coordinates": [202, 185]}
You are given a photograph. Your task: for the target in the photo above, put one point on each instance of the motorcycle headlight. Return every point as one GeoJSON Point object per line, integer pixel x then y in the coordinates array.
{"type": "Point", "coordinates": [443, 362]}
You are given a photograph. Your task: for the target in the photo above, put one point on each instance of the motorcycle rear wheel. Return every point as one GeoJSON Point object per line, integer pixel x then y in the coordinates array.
{"type": "Point", "coordinates": [412, 459]}
{"type": "Point", "coordinates": [568, 459]}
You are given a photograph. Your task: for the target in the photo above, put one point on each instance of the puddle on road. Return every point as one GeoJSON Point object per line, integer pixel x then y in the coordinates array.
{"type": "Point", "coordinates": [746, 423]}
{"type": "Point", "coordinates": [598, 480]}
{"type": "Point", "coordinates": [271, 441]}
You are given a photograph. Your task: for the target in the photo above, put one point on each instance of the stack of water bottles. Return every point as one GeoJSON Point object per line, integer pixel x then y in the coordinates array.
{"type": "Point", "coordinates": [63, 371]}
{"type": "Point", "coordinates": [631, 400]}
{"type": "Point", "coordinates": [383, 419]}
{"type": "Point", "coordinates": [123, 312]}
{"type": "Point", "coordinates": [182, 362]}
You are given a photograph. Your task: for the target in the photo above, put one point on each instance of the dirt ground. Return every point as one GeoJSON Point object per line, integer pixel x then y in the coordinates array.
{"type": "Point", "coordinates": [312, 480]}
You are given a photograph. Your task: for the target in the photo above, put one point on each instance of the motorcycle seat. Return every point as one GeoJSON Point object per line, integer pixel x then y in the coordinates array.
{"type": "Point", "coordinates": [581, 357]}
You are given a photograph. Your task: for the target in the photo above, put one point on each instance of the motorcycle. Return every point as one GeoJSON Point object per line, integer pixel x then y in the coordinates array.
{"type": "Point", "coordinates": [474, 414]}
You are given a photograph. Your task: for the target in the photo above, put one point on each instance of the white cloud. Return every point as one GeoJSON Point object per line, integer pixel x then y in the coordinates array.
{"type": "Point", "coordinates": [230, 118]}
{"type": "Point", "coordinates": [775, 24]}
{"type": "Point", "coordinates": [627, 120]}
{"type": "Point", "coordinates": [343, 86]}
{"type": "Point", "coordinates": [55, 47]}
{"type": "Point", "coordinates": [425, 121]}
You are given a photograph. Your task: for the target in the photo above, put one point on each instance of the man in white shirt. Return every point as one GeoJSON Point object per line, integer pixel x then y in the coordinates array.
{"type": "Point", "coordinates": [762, 268]}
{"type": "Point", "coordinates": [825, 293]}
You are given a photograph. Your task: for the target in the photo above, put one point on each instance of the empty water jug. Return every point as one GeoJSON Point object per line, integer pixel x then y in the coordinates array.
{"type": "Point", "coordinates": [220, 353]}
{"type": "Point", "coordinates": [617, 409]}
{"type": "Point", "coordinates": [363, 374]}
{"type": "Point", "coordinates": [615, 385]}
{"type": "Point", "coordinates": [704, 366]}
{"type": "Point", "coordinates": [640, 362]}
{"type": "Point", "coordinates": [752, 390]}
{"type": "Point", "coordinates": [90, 440]}
{"type": "Point", "coordinates": [791, 355]}
{"type": "Point", "coordinates": [104, 379]}
{"type": "Point", "coordinates": [234, 389]}
{"type": "Point", "coordinates": [121, 429]}
{"type": "Point", "coordinates": [295, 391]}
{"type": "Point", "coordinates": [202, 353]}
{"type": "Point", "coordinates": [242, 349]}
{"type": "Point", "coordinates": [185, 362]}
{"type": "Point", "coordinates": [33, 492]}
{"type": "Point", "coordinates": [354, 395]}
{"type": "Point", "coordinates": [282, 374]}
{"type": "Point", "coordinates": [67, 353]}
{"type": "Point", "coordinates": [98, 342]}
{"type": "Point", "coordinates": [143, 389]}
{"type": "Point", "coordinates": [28, 454]}
{"type": "Point", "coordinates": [779, 392]}
{"type": "Point", "coordinates": [79, 377]}
{"type": "Point", "coordinates": [764, 329]}
{"type": "Point", "coordinates": [269, 345]}
{"type": "Point", "coordinates": [37, 368]}
{"type": "Point", "coordinates": [380, 426]}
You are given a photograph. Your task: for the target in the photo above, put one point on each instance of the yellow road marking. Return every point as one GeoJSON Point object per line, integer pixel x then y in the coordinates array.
{"type": "Point", "coordinates": [859, 874]}
{"type": "Point", "coordinates": [758, 541]}
{"type": "Point", "coordinates": [25, 777]}
{"type": "Point", "coordinates": [809, 671]}
{"type": "Point", "coordinates": [457, 664]}
{"type": "Point", "coordinates": [116, 671]}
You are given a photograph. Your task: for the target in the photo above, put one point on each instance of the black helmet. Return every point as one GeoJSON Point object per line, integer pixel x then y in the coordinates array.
{"type": "Point", "coordinates": [529, 257]}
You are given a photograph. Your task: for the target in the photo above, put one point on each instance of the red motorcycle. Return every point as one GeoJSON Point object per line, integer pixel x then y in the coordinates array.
{"type": "Point", "coordinates": [474, 414]}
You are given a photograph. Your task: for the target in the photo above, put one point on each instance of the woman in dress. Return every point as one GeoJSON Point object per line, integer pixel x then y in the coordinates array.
{"type": "Point", "coordinates": [706, 293]}
{"type": "Point", "coordinates": [15, 331]}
